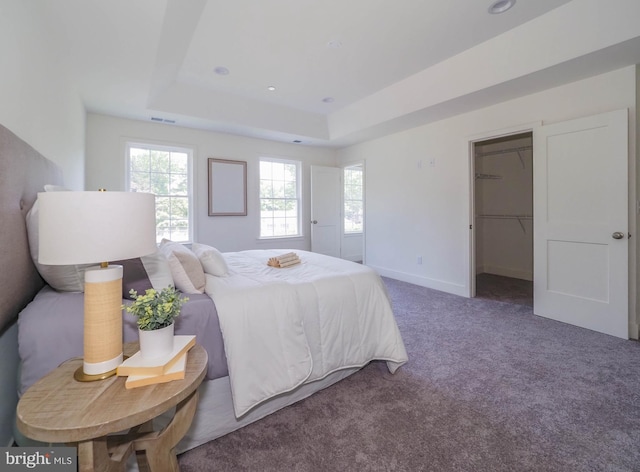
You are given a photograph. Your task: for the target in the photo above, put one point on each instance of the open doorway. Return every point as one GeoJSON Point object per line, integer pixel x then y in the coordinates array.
{"type": "Point", "coordinates": [503, 211]}
{"type": "Point", "coordinates": [353, 213]}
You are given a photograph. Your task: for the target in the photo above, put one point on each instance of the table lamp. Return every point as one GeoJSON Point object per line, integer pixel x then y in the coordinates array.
{"type": "Point", "coordinates": [97, 227]}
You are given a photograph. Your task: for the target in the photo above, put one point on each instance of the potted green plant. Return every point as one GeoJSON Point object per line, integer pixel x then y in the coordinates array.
{"type": "Point", "coordinates": [155, 312]}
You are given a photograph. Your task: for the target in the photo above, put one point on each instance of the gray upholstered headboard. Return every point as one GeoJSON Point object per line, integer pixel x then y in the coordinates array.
{"type": "Point", "coordinates": [23, 173]}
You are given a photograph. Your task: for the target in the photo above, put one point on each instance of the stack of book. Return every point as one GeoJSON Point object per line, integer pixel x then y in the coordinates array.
{"type": "Point", "coordinates": [285, 260]}
{"type": "Point", "coordinates": [141, 372]}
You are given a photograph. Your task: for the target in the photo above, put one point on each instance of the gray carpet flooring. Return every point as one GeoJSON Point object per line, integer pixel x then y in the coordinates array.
{"type": "Point", "coordinates": [504, 289]}
{"type": "Point", "coordinates": [488, 387]}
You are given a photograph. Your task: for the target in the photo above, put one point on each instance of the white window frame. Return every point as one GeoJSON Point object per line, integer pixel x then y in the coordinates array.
{"type": "Point", "coordinates": [166, 148]}
{"type": "Point", "coordinates": [298, 165]}
{"type": "Point", "coordinates": [344, 199]}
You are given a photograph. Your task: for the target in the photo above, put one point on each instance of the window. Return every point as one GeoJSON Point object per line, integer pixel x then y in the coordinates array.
{"type": "Point", "coordinates": [353, 199]}
{"type": "Point", "coordinates": [165, 172]}
{"type": "Point", "coordinates": [279, 198]}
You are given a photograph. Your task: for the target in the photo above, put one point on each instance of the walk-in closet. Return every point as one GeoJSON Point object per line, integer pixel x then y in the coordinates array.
{"type": "Point", "coordinates": [503, 208]}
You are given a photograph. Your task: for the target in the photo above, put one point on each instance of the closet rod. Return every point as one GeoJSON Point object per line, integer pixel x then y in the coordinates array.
{"type": "Point", "coordinates": [488, 176]}
{"type": "Point", "coordinates": [514, 217]}
{"type": "Point", "coordinates": [504, 151]}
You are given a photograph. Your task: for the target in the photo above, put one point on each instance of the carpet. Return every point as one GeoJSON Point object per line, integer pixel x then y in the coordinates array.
{"type": "Point", "coordinates": [504, 289]}
{"type": "Point", "coordinates": [488, 387]}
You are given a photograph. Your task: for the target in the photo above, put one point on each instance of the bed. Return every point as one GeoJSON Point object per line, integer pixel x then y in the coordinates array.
{"type": "Point", "coordinates": [23, 172]}
{"type": "Point", "coordinates": [273, 335]}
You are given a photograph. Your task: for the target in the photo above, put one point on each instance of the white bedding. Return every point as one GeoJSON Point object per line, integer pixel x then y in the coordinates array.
{"type": "Point", "coordinates": [285, 327]}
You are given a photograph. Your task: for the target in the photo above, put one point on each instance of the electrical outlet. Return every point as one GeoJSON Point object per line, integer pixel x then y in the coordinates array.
{"type": "Point", "coordinates": [419, 260]}
{"type": "Point", "coordinates": [432, 162]}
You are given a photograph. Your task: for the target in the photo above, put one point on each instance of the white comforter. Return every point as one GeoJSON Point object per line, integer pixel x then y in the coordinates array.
{"type": "Point", "coordinates": [284, 327]}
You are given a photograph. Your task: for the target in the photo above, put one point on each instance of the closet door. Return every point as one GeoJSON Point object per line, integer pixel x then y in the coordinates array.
{"type": "Point", "coordinates": [581, 222]}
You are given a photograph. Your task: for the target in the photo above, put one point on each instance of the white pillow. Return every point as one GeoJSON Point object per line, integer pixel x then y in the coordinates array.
{"type": "Point", "coordinates": [158, 270]}
{"type": "Point", "coordinates": [143, 273]}
{"type": "Point", "coordinates": [65, 278]}
{"type": "Point", "coordinates": [55, 188]}
{"type": "Point", "coordinates": [186, 269]}
{"type": "Point", "coordinates": [212, 260]}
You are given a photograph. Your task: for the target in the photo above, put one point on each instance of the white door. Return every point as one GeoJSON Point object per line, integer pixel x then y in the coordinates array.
{"type": "Point", "coordinates": [581, 222]}
{"type": "Point", "coordinates": [325, 210]}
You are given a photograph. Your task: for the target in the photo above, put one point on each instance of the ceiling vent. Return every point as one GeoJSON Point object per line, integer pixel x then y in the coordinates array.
{"type": "Point", "coordinates": [162, 120]}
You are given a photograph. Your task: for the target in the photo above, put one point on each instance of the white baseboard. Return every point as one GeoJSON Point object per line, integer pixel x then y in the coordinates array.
{"type": "Point", "coordinates": [440, 285]}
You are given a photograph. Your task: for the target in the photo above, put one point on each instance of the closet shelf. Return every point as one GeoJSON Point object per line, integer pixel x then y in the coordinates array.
{"type": "Point", "coordinates": [488, 176]}
{"type": "Point", "coordinates": [512, 217]}
{"type": "Point", "coordinates": [500, 152]}
{"type": "Point", "coordinates": [504, 151]}
{"type": "Point", "coordinates": [509, 217]}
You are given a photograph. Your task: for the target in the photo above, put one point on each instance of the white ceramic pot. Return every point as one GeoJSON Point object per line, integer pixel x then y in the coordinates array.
{"type": "Point", "coordinates": [156, 343]}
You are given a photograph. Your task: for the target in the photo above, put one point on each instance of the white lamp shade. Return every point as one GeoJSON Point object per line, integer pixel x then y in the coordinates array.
{"type": "Point", "coordinates": [95, 227]}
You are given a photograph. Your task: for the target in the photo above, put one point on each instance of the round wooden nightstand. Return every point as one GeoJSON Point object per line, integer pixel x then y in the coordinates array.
{"type": "Point", "coordinates": [59, 409]}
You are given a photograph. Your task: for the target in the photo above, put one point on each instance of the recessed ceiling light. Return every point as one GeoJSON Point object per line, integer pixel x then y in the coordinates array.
{"type": "Point", "coordinates": [500, 6]}
{"type": "Point", "coordinates": [328, 99]}
{"type": "Point", "coordinates": [221, 70]}
{"type": "Point", "coordinates": [271, 88]}
{"type": "Point", "coordinates": [334, 44]}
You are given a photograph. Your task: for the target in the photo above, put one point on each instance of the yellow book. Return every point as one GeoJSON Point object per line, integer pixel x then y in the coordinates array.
{"type": "Point", "coordinates": [136, 365]}
{"type": "Point", "coordinates": [176, 372]}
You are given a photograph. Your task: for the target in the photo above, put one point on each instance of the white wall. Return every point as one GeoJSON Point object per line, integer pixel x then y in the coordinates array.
{"type": "Point", "coordinates": [40, 106]}
{"type": "Point", "coordinates": [415, 209]}
{"type": "Point", "coordinates": [105, 167]}
{"type": "Point", "coordinates": [39, 102]}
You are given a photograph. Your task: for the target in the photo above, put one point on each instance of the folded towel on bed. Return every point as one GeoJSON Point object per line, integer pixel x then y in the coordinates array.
{"type": "Point", "coordinates": [285, 260]}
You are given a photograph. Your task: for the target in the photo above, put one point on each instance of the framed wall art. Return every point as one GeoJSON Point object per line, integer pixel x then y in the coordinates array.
{"type": "Point", "coordinates": [227, 187]}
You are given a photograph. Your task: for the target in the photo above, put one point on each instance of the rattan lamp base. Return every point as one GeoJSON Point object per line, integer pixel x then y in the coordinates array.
{"type": "Point", "coordinates": [102, 323]}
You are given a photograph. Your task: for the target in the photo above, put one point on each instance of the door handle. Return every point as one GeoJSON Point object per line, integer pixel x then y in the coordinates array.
{"type": "Point", "coordinates": [314, 222]}
{"type": "Point", "coordinates": [617, 235]}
